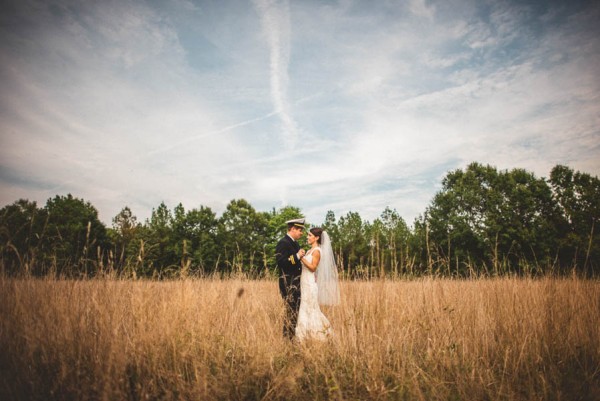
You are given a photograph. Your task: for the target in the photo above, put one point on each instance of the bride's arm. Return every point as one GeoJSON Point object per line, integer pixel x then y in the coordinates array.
{"type": "Point", "coordinates": [316, 257]}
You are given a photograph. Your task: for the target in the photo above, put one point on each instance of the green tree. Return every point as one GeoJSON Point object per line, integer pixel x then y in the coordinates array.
{"type": "Point", "coordinates": [498, 221]}
{"type": "Point", "coordinates": [389, 240]}
{"type": "Point", "coordinates": [155, 254]}
{"type": "Point", "coordinates": [418, 245]}
{"type": "Point", "coordinates": [73, 235]}
{"type": "Point", "coordinates": [353, 243]}
{"type": "Point", "coordinates": [180, 238]}
{"type": "Point", "coordinates": [330, 225]}
{"type": "Point", "coordinates": [243, 233]}
{"type": "Point", "coordinates": [123, 233]}
{"type": "Point", "coordinates": [195, 238]}
{"type": "Point", "coordinates": [21, 230]}
{"type": "Point", "coordinates": [578, 197]}
{"type": "Point", "coordinates": [522, 222]}
{"type": "Point", "coordinates": [455, 222]}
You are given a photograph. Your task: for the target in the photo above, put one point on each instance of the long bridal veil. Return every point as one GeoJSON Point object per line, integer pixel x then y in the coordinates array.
{"type": "Point", "coordinates": [327, 274]}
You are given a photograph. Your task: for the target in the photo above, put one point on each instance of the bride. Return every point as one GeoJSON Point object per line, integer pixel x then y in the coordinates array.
{"type": "Point", "coordinates": [318, 285]}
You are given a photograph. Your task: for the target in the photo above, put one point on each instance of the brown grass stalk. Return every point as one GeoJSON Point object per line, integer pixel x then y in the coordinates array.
{"type": "Point", "coordinates": [428, 339]}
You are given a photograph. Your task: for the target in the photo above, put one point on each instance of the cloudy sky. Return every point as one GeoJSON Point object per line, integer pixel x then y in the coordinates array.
{"type": "Point", "coordinates": [324, 105]}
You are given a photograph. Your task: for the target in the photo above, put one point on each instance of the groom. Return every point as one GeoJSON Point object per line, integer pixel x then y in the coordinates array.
{"type": "Point", "coordinates": [288, 255]}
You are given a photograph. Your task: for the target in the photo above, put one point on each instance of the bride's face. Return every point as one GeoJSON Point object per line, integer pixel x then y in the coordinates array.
{"type": "Point", "coordinates": [310, 238]}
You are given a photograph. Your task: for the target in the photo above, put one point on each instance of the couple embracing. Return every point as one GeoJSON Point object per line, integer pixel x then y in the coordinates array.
{"type": "Point", "coordinates": [306, 280]}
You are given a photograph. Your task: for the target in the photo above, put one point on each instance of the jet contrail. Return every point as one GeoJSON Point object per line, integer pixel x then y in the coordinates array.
{"type": "Point", "coordinates": [210, 133]}
{"type": "Point", "coordinates": [275, 20]}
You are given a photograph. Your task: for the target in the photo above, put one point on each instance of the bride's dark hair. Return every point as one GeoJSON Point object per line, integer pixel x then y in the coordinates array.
{"type": "Point", "coordinates": [317, 231]}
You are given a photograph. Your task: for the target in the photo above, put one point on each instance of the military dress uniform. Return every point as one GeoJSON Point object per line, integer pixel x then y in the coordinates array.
{"type": "Point", "coordinates": [286, 254]}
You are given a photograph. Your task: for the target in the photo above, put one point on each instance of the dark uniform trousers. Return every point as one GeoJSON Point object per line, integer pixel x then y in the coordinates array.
{"type": "Point", "coordinates": [289, 282]}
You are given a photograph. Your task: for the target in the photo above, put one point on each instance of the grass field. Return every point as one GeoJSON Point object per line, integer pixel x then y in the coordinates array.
{"type": "Point", "coordinates": [428, 339]}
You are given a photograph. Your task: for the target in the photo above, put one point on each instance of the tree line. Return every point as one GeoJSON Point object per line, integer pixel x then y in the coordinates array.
{"type": "Point", "coordinates": [482, 221]}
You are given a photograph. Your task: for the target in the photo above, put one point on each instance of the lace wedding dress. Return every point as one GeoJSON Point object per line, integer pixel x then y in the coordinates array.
{"type": "Point", "coordinates": [311, 321]}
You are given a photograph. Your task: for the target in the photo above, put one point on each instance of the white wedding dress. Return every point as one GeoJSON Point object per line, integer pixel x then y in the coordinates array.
{"type": "Point", "coordinates": [311, 321]}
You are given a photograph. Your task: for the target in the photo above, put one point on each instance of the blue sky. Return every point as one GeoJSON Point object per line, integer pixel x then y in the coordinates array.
{"type": "Point", "coordinates": [324, 105]}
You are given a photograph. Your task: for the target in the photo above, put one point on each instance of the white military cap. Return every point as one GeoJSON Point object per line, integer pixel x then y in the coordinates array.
{"type": "Point", "coordinates": [296, 222]}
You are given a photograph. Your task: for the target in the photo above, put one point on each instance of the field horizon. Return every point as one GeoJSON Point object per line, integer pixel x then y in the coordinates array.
{"type": "Point", "coordinates": [423, 339]}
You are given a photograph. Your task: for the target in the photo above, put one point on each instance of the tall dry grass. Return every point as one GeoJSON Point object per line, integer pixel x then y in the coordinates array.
{"type": "Point", "coordinates": [431, 339]}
